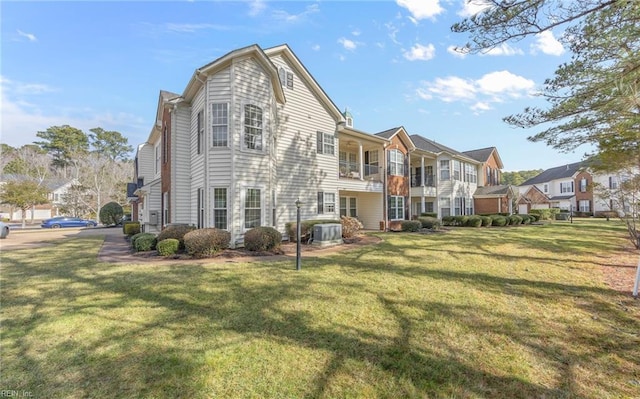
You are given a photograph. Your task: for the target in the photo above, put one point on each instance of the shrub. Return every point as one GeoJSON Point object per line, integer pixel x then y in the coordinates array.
{"type": "Point", "coordinates": [131, 228]}
{"type": "Point", "coordinates": [168, 246]}
{"type": "Point", "coordinates": [474, 221]}
{"type": "Point", "coordinates": [176, 231]}
{"type": "Point", "coordinates": [429, 214]}
{"type": "Point", "coordinates": [305, 228]}
{"type": "Point", "coordinates": [606, 214]}
{"type": "Point", "coordinates": [145, 242]}
{"type": "Point", "coordinates": [486, 221]}
{"type": "Point", "coordinates": [350, 226]}
{"type": "Point", "coordinates": [514, 220]}
{"type": "Point", "coordinates": [111, 213]}
{"type": "Point", "coordinates": [410, 225]}
{"type": "Point", "coordinates": [461, 220]}
{"type": "Point", "coordinates": [206, 242]}
{"type": "Point", "coordinates": [534, 217]}
{"type": "Point", "coordinates": [429, 222]}
{"type": "Point", "coordinates": [134, 238]}
{"type": "Point", "coordinates": [545, 213]}
{"type": "Point", "coordinates": [262, 238]}
{"type": "Point", "coordinates": [498, 220]}
{"type": "Point", "coordinates": [448, 220]}
{"type": "Point", "coordinates": [526, 219]}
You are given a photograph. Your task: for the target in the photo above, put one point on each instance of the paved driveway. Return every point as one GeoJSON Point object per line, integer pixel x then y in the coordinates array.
{"type": "Point", "coordinates": [29, 238]}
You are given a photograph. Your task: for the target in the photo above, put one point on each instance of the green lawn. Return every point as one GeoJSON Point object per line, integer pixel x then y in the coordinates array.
{"type": "Point", "coordinates": [473, 313]}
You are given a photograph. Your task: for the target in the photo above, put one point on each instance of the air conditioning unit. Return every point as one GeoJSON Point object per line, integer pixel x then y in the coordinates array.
{"type": "Point", "coordinates": [327, 234]}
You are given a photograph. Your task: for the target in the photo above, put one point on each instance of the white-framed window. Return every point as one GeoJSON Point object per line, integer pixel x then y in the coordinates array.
{"type": "Point", "coordinates": [456, 170]}
{"type": "Point", "coordinates": [220, 208]}
{"type": "Point", "coordinates": [445, 170]}
{"type": "Point", "coordinates": [566, 187]}
{"type": "Point", "coordinates": [584, 206]}
{"type": "Point", "coordinates": [273, 208]}
{"type": "Point", "coordinates": [428, 206]}
{"type": "Point", "coordinates": [219, 124]}
{"type": "Point", "coordinates": [157, 150]}
{"type": "Point", "coordinates": [445, 206]}
{"type": "Point", "coordinates": [286, 78]}
{"type": "Point", "coordinates": [326, 202]}
{"type": "Point", "coordinates": [371, 165]}
{"type": "Point", "coordinates": [252, 208]}
{"type": "Point", "coordinates": [470, 173]}
{"type": "Point", "coordinates": [458, 204]}
{"type": "Point", "coordinates": [326, 143]}
{"type": "Point", "coordinates": [545, 188]}
{"type": "Point", "coordinates": [165, 144]}
{"type": "Point", "coordinates": [396, 207]}
{"type": "Point", "coordinates": [468, 207]}
{"type": "Point", "coordinates": [348, 162]}
{"type": "Point", "coordinates": [396, 163]}
{"type": "Point", "coordinates": [348, 206]}
{"type": "Point", "coordinates": [200, 132]}
{"type": "Point", "coordinates": [253, 127]}
{"type": "Point", "coordinates": [613, 183]}
{"type": "Point", "coordinates": [165, 208]}
{"type": "Point", "coordinates": [200, 208]}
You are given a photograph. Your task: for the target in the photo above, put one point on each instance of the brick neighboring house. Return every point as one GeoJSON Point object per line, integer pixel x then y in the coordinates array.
{"type": "Point", "coordinates": [533, 198]}
{"type": "Point", "coordinates": [492, 197]}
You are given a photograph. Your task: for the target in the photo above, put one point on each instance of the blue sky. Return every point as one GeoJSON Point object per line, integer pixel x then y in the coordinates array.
{"type": "Point", "coordinates": [102, 64]}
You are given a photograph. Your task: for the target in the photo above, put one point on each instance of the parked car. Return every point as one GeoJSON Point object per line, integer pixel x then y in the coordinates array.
{"type": "Point", "coordinates": [4, 230]}
{"type": "Point", "coordinates": [67, 221]}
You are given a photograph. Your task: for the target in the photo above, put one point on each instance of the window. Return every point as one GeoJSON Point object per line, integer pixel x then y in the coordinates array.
{"type": "Point", "coordinates": [396, 207]}
{"type": "Point", "coordinates": [349, 121]}
{"type": "Point", "coordinates": [157, 170]}
{"type": "Point", "coordinates": [273, 208]}
{"type": "Point", "coordinates": [428, 206]}
{"type": "Point", "coordinates": [456, 170]}
{"type": "Point", "coordinates": [220, 208]}
{"type": "Point", "coordinates": [566, 187]}
{"type": "Point", "coordinates": [252, 208]}
{"type": "Point", "coordinates": [286, 78]}
{"type": "Point", "coordinates": [219, 124]}
{"type": "Point", "coordinates": [396, 163]}
{"type": "Point", "coordinates": [470, 173]}
{"type": "Point", "coordinates": [165, 145]}
{"type": "Point", "coordinates": [348, 163]}
{"type": "Point", "coordinates": [584, 206]}
{"type": "Point", "coordinates": [613, 183]}
{"type": "Point", "coordinates": [290, 80]}
{"type": "Point", "coordinates": [200, 132]}
{"type": "Point", "coordinates": [445, 206]}
{"type": "Point", "coordinates": [445, 173]}
{"type": "Point", "coordinates": [252, 127]}
{"type": "Point", "coordinates": [468, 209]}
{"type": "Point", "coordinates": [165, 208]}
{"type": "Point", "coordinates": [326, 202]}
{"type": "Point", "coordinates": [282, 75]}
{"type": "Point", "coordinates": [326, 143]}
{"type": "Point", "coordinates": [545, 188]}
{"type": "Point", "coordinates": [457, 206]}
{"type": "Point", "coordinates": [348, 206]}
{"type": "Point", "coordinates": [200, 208]}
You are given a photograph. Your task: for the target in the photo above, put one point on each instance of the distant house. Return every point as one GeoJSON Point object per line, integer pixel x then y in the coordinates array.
{"type": "Point", "coordinates": [533, 198]}
{"type": "Point", "coordinates": [491, 196]}
{"type": "Point", "coordinates": [56, 190]}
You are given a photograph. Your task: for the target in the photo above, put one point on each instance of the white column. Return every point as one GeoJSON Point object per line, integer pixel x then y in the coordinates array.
{"type": "Point", "coordinates": [361, 156]}
{"type": "Point", "coordinates": [422, 179]}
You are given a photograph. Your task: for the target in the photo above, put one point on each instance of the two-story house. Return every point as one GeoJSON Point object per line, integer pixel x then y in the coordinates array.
{"type": "Point", "coordinates": [560, 185]}
{"type": "Point", "coordinates": [491, 196]}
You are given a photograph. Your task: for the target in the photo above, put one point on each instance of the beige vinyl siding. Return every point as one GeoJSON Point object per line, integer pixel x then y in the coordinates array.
{"type": "Point", "coordinates": [146, 160]}
{"type": "Point", "coordinates": [369, 208]}
{"type": "Point", "coordinates": [301, 172]}
{"type": "Point", "coordinates": [219, 158]}
{"type": "Point", "coordinates": [154, 203]}
{"type": "Point", "coordinates": [197, 160]}
{"type": "Point", "coordinates": [181, 170]}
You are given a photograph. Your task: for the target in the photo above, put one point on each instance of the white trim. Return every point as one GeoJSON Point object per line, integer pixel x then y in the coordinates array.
{"type": "Point", "coordinates": [243, 197]}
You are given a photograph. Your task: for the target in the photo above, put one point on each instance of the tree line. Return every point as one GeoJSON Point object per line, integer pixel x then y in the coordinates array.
{"type": "Point", "coordinates": [96, 164]}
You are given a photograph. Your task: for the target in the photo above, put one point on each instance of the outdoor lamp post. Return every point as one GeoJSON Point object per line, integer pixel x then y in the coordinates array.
{"type": "Point", "coordinates": [298, 204]}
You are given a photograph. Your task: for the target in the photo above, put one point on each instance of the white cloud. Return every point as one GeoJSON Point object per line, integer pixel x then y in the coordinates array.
{"type": "Point", "coordinates": [315, 47]}
{"type": "Point", "coordinates": [456, 52]}
{"type": "Point", "coordinates": [30, 36]}
{"type": "Point", "coordinates": [420, 52]}
{"type": "Point", "coordinates": [393, 31]}
{"type": "Point", "coordinates": [548, 44]}
{"type": "Point", "coordinates": [503, 49]}
{"type": "Point", "coordinates": [473, 7]}
{"type": "Point", "coordinates": [348, 44]}
{"type": "Point", "coordinates": [504, 82]}
{"type": "Point", "coordinates": [421, 9]}
{"type": "Point", "coordinates": [356, 33]}
{"type": "Point", "coordinates": [284, 16]}
{"type": "Point", "coordinates": [192, 28]}
{"type": "Point", "coordinates": [256, 7]}
{"type": "Point", "coordinates": [494, 87]}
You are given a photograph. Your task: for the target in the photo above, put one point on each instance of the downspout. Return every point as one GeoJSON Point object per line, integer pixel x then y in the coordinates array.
{"type": "Point", "coordinates": [205, 150]}
{"type": "Point", "coordinates": [385, 194]}
{"type": "Point", "coordinates": [231, 142]}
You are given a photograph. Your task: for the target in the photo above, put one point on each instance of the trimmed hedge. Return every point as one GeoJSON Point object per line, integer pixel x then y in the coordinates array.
{"type": "Point", "coordinates": [410, 225]}
{"type": "Point", "coordinates": [168, 246]}
{"type": "Point", "coordinates": [429, 214]}
{"type": "Point", "coordinates": [498, 220]}
{"type": "Point", "coordinates": [545, 213]}
{"type": "Point", "coordinates": [178, 232]}
{"type": "Point", "coordinates": [202, 243]}
{"type": "Point", "coordinates": [262, 238]}
{"type": "Point", "coordinates": [429, 222]}
{"type": "Point", "coordinates": [486, 221]}
{"type": "Point", "coordinates": [145, 242]}
{"type": "Point", "coordinates": [461, 220]}
{"type": "Point", "coordinates": [448, 220]}
{"type": "Point", "coordinates": [131, 228]}
{"type": "Point", "coordinates": [474, 221]}
{"type": "Point", "coordinates": [515, 220]}
{"type": "Point", "coordinates": [111, 213]}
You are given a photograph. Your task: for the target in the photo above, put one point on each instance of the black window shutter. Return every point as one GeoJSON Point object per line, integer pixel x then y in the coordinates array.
{"type": "Point", "coordinates": [319, 138]}
{"type": "Point", "coordinates": [320, 202]}
{"type": "Point", "coordinates": [388, 162]}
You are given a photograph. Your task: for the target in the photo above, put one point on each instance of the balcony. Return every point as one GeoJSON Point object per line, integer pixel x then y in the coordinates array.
{"type": "Point", "coordinates": [429, 181]}
{"type": "Point", "coordinates": [351, 177]}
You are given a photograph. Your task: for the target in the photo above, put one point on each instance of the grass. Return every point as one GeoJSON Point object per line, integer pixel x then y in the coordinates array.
{"type": "Point", "coordinates": [473, 313]}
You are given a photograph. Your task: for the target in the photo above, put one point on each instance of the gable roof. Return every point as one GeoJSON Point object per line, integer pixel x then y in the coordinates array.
{"type": "Point", "coordinates": [559, 172]}
{"type": "Point", "coordinates": [494, 191]}
{"type": "Point", "coordinates": [483, 155]}
{"type": "Point", "coordinates": [390, 133]}
{"type": "Point", "coordinates": [304, 73]}
{"type": "Point", "coordinates": [437, 148]}
{"type": "Point", "coordinates": [213, 67]}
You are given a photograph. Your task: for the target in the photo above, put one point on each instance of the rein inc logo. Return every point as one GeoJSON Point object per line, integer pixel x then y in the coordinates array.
{"type": "Point", "coordinates": [10, 393]}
